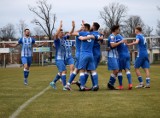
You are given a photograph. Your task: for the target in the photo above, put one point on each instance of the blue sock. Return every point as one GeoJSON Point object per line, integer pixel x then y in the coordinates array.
{"type": "Point", "coordinates": [82, 79]}
{"type": "Point", "coordinates": [63, 77]}
{"type": "Point", "coordinates": [57, 78]}
{"type": "Point", "coordinates": [148, 81]}
{"type": "Point", "coordinates": [92, 80]}
{"type": "Point", "coordinates": [120, 78]}
{"type": "Point", "coordinates": [26, 73]}
{"type": "Point", "coordinates": [140, 79]}
{"type": "Point", "coordinates": [95, 79]}
{"type": "Point", "coordinates": [129, 77]}
{"type": "Point", "coordinates": [112, 79]}
{"type": "Point", "coordinates": [72, 76]}
{"type": "Point", "coordinates": [86, 77]}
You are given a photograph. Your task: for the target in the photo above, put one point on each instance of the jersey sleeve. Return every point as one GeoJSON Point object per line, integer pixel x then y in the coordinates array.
{"type": "Point", "coordinates": [112, 39]}
{"type": "Point", "coordinates": [97, 37]}
{"type": "Point", "coordinates": [119, 38]}
{"type": "Point", "coordinates": [80, 33]}
{"type": "Point", "coordinates": [33, 41]}
{"type": "Point", "coordinates": [20, 41]}
{"type": "Point", "coordinates": [66, 37]}
{"type": "Point", "coordinates": [138, 37]}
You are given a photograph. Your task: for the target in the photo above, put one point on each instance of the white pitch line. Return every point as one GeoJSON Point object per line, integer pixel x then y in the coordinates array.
{"type": "Point", "coordinates": [24, 105]}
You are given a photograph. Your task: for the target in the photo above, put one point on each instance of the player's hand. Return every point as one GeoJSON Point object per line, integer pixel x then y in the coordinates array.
{"type": "Point", "coordinates": [125, 41]}
{"type": "Point", "coordinates": [108, 49]}
{"type": "Point", "coordinates": [73, 23]}
{"type": "Point", "coordinates": [81, 38]}
{"type": "Point", "coordinates": [61, 23]}
{"type": "Point", "coordinates": [122, 41]}
{"type": "Point", "coordinates": [83, 22]}
{"type": "Point", "coordinates": [44, 43]}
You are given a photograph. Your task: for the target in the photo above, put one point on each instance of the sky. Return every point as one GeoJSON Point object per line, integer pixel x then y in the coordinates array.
{"type": "Point", "coordinates": [12, 11]}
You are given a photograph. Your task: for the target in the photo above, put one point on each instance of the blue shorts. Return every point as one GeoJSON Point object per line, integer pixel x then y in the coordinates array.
{"type": "Point", "coordinates": [124, 63]}
{"type": "Point", "coordinates": [97, 60]}
{"type": "Point", "coordinates": [142, 62]}
{"type": "Point", "coordinates": [61, 65]}
{"type": "Point", "coordinates": [77, 57]}
{"type": "Point", "coordinates": [86, 62]}
{"type": "Point", "coordinates": [76, 62]}
{"type": "Point", "coordinates": [26, 60]}
{"type": "Point", "coordinates": [69, 61]}
{"type": "Point", "coordinates": [113, 63]}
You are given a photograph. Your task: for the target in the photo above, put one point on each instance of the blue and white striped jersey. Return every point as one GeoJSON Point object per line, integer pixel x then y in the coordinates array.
{"type": "Point", "coordinates": [113, 51]}
{"type": "Point", "coordinates": [60, 49]}
{"type": "Point", "coordinates": [68, 48]}
{"type": "Point", "coordinates": [26, 43]}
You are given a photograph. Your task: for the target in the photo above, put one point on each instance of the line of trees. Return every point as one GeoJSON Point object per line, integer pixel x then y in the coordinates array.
{"type": "Point", "coordinates": [158, 25]}
{"type": "Point", "coordinates": [45, 19]}
{"type": "Point", "coordinates": [116, 13]}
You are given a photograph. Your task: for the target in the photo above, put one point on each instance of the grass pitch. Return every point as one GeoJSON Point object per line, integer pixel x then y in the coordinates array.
{"type": "Point", "coordinates": [136, 103]}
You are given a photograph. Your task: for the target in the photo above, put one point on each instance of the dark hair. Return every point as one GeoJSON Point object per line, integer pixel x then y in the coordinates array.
{"type": "Point", "coordinates": [25, 30]}
{"type": "Point", "coordinates": [86, 25]}
{"type": "Point", "coordinates": [139, 28]}
{"type": "Point", "coordinates": [114, 28]}
{"type": "Point", "coordinates": [96, 25]}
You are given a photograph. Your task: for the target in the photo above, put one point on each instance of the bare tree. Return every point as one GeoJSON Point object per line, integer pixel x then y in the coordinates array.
{"type": "Point", "coordinates": [21, 27]}
{"type": "Point", "coordinates": [45, 19]}
{"type": "Point", "coordinates": [158, 28]}
{"type": "Point", "coordinates": [113, 14]}
{"type": "Point", "coordinates": [8, 32]}
{"type": "Point", "coordinates": [148, 30]}
{"type": "Point", "coordinates": [130, 24]}
{"type": "Point", "coordinates": [158, 25]}
{"type": "Point", "coordinates": [38, 31]}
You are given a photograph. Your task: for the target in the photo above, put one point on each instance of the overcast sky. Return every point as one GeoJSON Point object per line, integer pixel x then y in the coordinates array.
{"type": "Point", "coordinates": [11, 11]}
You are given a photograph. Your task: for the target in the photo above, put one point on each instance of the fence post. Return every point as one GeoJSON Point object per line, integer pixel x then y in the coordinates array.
{"type": "Point", "coordinates": [4, 58]}
{"type": "Point", "coordinates": [42, 59]}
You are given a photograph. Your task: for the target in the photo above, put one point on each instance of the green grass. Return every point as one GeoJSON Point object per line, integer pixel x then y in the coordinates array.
{"type": "Point", "coordinates": [137, 103]}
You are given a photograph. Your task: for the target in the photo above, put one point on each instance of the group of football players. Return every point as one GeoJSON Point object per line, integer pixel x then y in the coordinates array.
{"type": "Point", "coordinates": [88, 55]}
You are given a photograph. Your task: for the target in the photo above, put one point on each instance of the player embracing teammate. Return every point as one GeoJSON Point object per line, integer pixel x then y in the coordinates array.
{"type": "Point", "coordinates": [88, 56]}
{"type": "Point", "coordinates": [119, 58]}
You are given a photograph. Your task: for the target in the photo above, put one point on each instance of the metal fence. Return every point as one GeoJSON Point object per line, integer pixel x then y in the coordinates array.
{"type": "Point", "coordinates": [13, 58]}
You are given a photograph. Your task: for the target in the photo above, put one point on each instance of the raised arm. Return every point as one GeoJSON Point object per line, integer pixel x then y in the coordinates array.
{"type": "Point", "coordinates": [59, 30]}
{"type": "Point", "coordinates": [73, 27]}
{"type": "Point", "coordinates": [77, 32]}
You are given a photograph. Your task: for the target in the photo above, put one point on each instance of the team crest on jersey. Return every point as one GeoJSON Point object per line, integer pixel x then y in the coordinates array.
{"type": "Point", "coordinates": [112, 37]}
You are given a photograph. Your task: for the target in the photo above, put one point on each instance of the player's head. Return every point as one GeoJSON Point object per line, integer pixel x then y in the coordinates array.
{"type": "Point", "coordinates": [82, 27]}
{"type": "Point", "coordinates": [61, 33]}
{"type": "Point", "coordinates": [86, 27]}
{"type": "Point", "coordinates": [138, 30]}
{"type": "Point", "coordinates": [115, 29]}
{"type": "Point", "coordinates": [27, 32]}
{"type": "Point", "coordinates": [95, 26]}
